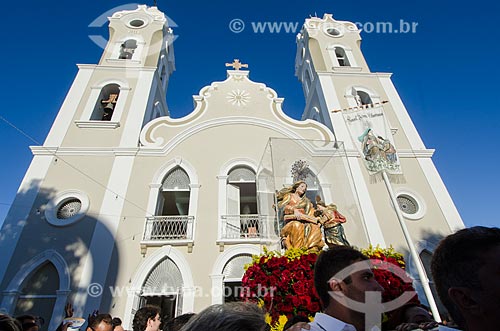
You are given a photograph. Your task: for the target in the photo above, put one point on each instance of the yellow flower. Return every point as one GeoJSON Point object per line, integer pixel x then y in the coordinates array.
{"type": "Point", "coordinates": [268, 318]}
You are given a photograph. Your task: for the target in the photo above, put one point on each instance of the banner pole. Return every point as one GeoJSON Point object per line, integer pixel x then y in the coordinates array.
{"type": "Point", "coordinates": [413, 253]}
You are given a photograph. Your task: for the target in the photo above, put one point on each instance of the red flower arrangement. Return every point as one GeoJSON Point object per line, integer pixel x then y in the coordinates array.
{"type": "Point", "coordinates": [283, 284]}
{"type": "Point", "coordinates": [394, 286]}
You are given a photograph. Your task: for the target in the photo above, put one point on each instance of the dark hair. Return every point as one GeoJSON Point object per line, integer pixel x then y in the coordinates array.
{"type": "Point", "coordinates": [8, 323]}
{"type": "Point", "coordinates": [116, 321]}
{"type": "Point", "coordinates": [457, 261]}
{"type": "Point", "coordinates": [95, 321]}
{"type": "Point", "coordinates": [142, 316]}
{"type": "Point", "coordinates": [176, 323]}
{"type": "Point", "coordinates": [228, 317]}
{"type": "Point", "coordinates": [297, 184]}
{"type": "Point", "coordinates": [294, 320]}
{"type": "Point", "coordinates": [27, 321]}
{"type": "Point", "coordinates": [328, 264]}
{"type": "Point", "coordinates": [398, 316]}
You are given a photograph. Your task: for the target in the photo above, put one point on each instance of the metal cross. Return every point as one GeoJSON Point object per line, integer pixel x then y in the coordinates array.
{"type": "Point", "coordinates": [237, 64]}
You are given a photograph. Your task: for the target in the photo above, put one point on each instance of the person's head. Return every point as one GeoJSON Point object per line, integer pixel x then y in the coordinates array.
{"type": "Point", "coordinates": [101, 322]}
{"type": "Point", "coordinates": [409, 313]}
{"type": "Point", "coordinates": [299, 187]}
{"type": "Point", "coordinates": [175, 324]}
{"type": "Point", "coordinates": [228, 317]}
{"type": "Point", "coordinates": [330, 263]}
{"type": "Point", "coordinates": [147, 319]}
{"type": "Point", "coordinates": [466, 271]}
{"type": "Point", "coordinates": [117, 324]}
{"type": "Point", "coordinates": [8, 323]}
{"type": "Point", "coordinates": [28, 323]}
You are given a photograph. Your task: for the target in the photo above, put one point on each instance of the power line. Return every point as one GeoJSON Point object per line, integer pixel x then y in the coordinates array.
{"type": "Point", "coordinates": [70, 165]}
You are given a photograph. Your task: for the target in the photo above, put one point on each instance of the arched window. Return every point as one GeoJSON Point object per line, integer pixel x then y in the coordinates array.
{"type": "Point", "coordinates": [163, 288]}
{"type": "Point", "coordinates": [342, 57]}
{"type": "Point", "coordinates": [127, 49]}
{"type": "Point", "coordinates": [242, 219]}
{"type": "Point", "coordinates": [174, 193]}
{"type": "Point", "coordinates": [172, 220]}
{"type": "Point", "coordinates": [38, 293]}
{"type": "Point", "coordinates": [233, 273]}
{"type": "Point", "coordinates": [106, 103]}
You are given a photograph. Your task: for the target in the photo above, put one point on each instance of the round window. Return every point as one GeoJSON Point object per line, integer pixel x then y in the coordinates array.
{"type": "Point", "coordinates": [333, 32]}
{"type": "Point", "coordinates": [407, 204]}
{"type": "Point", "coordinates": [137, 23]}
{"type": "Point", "coordinates": [68, 208]}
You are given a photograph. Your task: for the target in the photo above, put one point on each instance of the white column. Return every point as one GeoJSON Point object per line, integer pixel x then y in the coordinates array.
{"type": "Point", "coordinates": [21, 207]}
{"type": "Point", "coordinates": [133, 296]}
{"type": "Point", "coordinates": [188, 294]}
{"type": "Point", "coordinates": [98, 259]}
{"type": "Point", "coordinates": [222, 205]}
{"type": "Point", "coordinates": [135, 115]}
{"type": "Point", "coordinates": [66, 114]}
{"type": "Point", "coordinates": [217, 288]}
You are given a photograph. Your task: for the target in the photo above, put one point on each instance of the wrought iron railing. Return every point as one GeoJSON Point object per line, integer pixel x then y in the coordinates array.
{"type": "Point", "coordinates": [245, 226]}
{"type": "Point", "coordinates": [168, 228]}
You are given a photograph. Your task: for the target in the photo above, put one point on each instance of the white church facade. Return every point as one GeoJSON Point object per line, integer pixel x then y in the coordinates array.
{"type": "Point", "coordinates": [124, 205]}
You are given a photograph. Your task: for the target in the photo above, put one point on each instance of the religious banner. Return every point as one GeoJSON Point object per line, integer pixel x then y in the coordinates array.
{"type": "Point", "coordinates": [372, 136]}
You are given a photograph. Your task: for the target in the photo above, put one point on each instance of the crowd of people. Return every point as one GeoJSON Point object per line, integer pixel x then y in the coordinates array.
{"type": "Point", "coordinates": [465, 268]}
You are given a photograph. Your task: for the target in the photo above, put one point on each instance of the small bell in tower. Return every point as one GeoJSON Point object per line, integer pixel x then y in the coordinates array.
{"type": "Point", "coordinates": [109, 106]}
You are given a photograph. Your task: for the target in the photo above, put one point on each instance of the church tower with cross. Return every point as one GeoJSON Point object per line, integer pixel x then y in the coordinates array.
{"type": "Point", "coordinates": [124, 206]}
{"type": "Point", "coordinates": [365, 112]}
{"type": "Point", "coordinates": [83, 170]}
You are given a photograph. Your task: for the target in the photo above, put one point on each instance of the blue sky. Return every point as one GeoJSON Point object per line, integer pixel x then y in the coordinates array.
{"type": "Point", "coordinates": [446, 73]}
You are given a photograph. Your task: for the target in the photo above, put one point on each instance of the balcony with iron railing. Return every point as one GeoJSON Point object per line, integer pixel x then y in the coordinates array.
{"type": "Point", "coordinates": [251, 228]}
{"type": "Point", "coordinates": [173, 230]}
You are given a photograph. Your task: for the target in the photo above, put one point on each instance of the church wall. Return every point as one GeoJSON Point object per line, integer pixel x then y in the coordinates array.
{"type": "Point", "coordinates": [207, 151]}
{"type": "Point", "coordinates": [70, 241]}
{"type": "Point", "coordinates": [433, 221]}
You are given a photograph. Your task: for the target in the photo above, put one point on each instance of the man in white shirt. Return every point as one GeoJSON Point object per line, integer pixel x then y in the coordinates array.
{"type": "Point", "coordinates": [337, 295]}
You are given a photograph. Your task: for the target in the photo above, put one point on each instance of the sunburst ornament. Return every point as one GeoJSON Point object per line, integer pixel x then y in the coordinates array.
{"type": "Point", "coordinates": [238, 97]}
{"type": "Point", "coordinates": [300, 170]}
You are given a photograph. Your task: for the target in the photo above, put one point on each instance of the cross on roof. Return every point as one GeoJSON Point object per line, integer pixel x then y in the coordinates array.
{"type": "Point", "coordinates": [237, 64]}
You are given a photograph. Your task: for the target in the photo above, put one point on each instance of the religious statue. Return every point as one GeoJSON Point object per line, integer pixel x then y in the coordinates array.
{"type": "Point", "coordinates": [301, 228]}
{"type": "Point", "coordinates": [331, 220]}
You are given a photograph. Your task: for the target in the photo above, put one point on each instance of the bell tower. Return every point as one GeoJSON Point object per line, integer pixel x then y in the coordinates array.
{"type": "Point", "coordinates": [94, 140]}
{"type": "Point", "coordinates": [110, 102]}
{"type": "Point", "coordinates": [364, 110]}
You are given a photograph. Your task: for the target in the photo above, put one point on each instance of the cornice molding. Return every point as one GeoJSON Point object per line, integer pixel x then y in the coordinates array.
{"type": "Point", "coordinates": [355, 74]}
{"type": "Point", "coordinates": [114, 67]}
{"type": "Point", "coordinates": [160, 150]}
